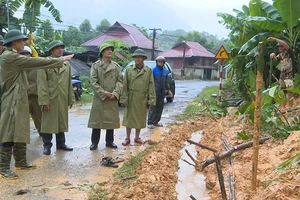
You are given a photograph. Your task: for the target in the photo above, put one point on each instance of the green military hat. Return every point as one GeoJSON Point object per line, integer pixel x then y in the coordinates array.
{"type": "Point", "coordinates": [139, 52]}
{"type": "Point", "coordinates": [105, 45]}
{"type": "Point", "coordinates": [55, 43]}
{"type": "Point", "coordinates": [13, 35]}
{"type": "Point", "coordinates": [1, 39]}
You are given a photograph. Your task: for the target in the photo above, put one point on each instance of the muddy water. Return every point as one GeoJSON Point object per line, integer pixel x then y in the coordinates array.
{"type": "Point", "coordinates": [70, 175]}
{"type": "Point", "coordinates": [190, 181]}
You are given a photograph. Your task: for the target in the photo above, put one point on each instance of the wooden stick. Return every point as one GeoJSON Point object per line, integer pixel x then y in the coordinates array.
{"type": "Point", "coordinates": [192, 158]}
{"type": "Point", "coordinates": [202, 146]}
{"type": "Point", "coordinates": [212, 115]}
{"type": "Point", "coordinates": [283, 116]}
{"type": "Point", "coordinates": [220, 177]}
{"type": "Point", "coordinates": [289, 110]}
{"type": "Point", "coordinates": [243, 146]}
{"type": "Point", "coordinates": [189, 163]}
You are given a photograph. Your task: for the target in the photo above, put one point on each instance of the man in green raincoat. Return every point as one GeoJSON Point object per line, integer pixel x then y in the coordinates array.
{"type": "Point", "coordinates": [107, 83]}
{"type": "Point", "coordinates": [55, 93]}
{"type": "Point", "coordinates": [14, 123]}
{"type": "Point", "coordinates": [34, 107]}
{"type": "Point", "coordinates": [137, 88]}
{"type": "Point", "coordinates": [1, 50]}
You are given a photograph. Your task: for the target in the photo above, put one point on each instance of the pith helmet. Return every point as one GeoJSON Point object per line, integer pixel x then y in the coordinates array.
{"type": "Point", "coordinates": [55, 43]}
{"type": "Point", "coordinates": [1, 39]}
{"type": "Point", "coordinates": [105, 45]}
{"type": "Point", "coordinates": [139, 52]}
{"type": "Point", "coordinates": [13, 35]}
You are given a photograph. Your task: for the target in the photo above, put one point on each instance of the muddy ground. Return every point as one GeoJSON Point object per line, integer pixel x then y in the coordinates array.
{"type": "Point", "coordinates": [70, 175]}
{"type": "Point", "coordinates": [157, 176]}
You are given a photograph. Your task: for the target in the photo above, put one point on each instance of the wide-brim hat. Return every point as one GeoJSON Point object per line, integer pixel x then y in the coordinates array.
{"type": "Point", "coordinates": [55, 43]}
{"type": "Point", "coordinates": [139, 52]}
{"type": "Point", "coordinates": [105, 46]}
{"type": "Point", "coordinates": [13, 35]}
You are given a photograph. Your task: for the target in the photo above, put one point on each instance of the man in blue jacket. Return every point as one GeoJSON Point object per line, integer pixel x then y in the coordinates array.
{"type": "Point", "coordinates": [161, 85]}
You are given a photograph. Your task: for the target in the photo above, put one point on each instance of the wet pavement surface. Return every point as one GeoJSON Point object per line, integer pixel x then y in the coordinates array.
{"type": "Point", "coordinates": [69, 175]}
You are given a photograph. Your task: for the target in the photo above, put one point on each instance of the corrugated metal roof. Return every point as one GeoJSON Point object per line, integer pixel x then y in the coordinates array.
{"type": "Point", "coordinates": [192, 49]}
{"type": "Point", "coordinates": [129, 34]}
{"type": "Point", "coordinates": [79, 68]}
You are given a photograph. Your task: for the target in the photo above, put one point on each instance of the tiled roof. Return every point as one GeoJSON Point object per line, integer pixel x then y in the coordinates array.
{"type": "Point", "coordinates": [129, 34]}
{"type": "Point", "coordinates": [192, 49]}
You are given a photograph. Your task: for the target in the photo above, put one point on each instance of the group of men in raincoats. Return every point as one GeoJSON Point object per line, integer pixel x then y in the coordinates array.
{"type": "Point", "coordinates": [54, 95]}
{"type": "Point", "coordinates": [14, 123]}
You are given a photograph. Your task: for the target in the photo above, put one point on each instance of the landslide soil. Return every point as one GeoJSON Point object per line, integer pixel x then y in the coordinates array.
{"type": "Point", "coordinates": [156, 175]}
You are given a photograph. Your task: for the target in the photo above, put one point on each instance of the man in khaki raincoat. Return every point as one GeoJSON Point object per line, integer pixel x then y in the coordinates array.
{"type": "Point", "coordinates": [55, 93]}
{"type": "Point", "coordinates": [34, 108]}
{"type": "Point", "coordinates": [137, 88]}
{"type": "Point", "coordinates": [107, 83]}
{"type": "Point", "coordinates": [14, 123]}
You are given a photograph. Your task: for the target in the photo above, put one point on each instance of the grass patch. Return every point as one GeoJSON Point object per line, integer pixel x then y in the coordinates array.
{"type": "Point", "coordinates": [99, 193]}
{"type": "Point", "coordinates": [196, 107]}
{"type": "Point", "coordinates": [85, 99]}
{"type": "Point", "coordinates": [127, 173]}
{"type": "Point", "coordinates": [129, 168]}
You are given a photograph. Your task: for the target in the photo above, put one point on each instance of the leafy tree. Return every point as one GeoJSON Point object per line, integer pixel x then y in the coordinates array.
{"type": "Point", "coordinates": [85, 26]}
{"type": "Point", "coordinates": [72, 37]}
{"type": "Point", "coordinates": [33, 11]}
{"type": "Point", "coordinates": [143, 30]}
{"type": "Point", "coordinates": [87, 30]}
{"type": "Point", "coordinates": [103, 26]}
{"type": "Point", "coordinates": [46, 30]}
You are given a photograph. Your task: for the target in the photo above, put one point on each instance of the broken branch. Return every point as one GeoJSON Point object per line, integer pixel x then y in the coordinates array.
{"type": "Point", "coordinates": [243, 146]}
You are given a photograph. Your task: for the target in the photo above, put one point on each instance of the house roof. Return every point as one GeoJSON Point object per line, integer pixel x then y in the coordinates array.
{"type": "Point", "coordinates": [79, 68]}
{"type": "Point", "coordinates": [129, 34]}
{"type": "Point", "coordinates": [191, 49]}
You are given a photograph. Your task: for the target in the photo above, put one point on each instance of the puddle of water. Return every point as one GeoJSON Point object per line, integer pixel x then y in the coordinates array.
{"type": "Point", "coordinates": [190, 181]}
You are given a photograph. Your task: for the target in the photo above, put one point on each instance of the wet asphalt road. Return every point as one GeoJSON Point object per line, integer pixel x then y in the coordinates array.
{"type": "Point", "coordinates": [68, 175]}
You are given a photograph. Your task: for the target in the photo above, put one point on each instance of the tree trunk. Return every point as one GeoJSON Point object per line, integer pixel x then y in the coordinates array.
{"type": "Point", "coordinates": [257, 113]}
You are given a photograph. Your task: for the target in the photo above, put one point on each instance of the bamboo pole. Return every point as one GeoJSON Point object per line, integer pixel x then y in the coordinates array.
{"type": "Point", "coordinates": [257, 113]}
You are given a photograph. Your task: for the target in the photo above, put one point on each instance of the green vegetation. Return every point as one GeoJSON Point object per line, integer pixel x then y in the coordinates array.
{"type": "Point", "coordinates": [127, 173]}
{"type": "Point", "coordinates": [129, 168]}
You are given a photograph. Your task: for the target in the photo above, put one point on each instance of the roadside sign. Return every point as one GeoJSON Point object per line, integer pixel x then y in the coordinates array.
{"type": "Point", "coordinates": [222, 54]}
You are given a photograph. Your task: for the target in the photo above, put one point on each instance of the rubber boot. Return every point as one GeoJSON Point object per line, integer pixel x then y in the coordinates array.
{"type": "Point", "coordinates": [95, 137]}
{"type": "Point", "coordinates": [5, 158]}
{"type": "Point", "coordinates": [47, 140]}
{"type": "Point", "coordinates": [61, 142]}
{"type": "Point", "coordinates": [110, 139]}
{"type": "Point", "coordinates": [19, 153]}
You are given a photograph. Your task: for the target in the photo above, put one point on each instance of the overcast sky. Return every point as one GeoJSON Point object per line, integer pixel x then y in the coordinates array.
{"type": "Point", "coordinates": [199, 15]}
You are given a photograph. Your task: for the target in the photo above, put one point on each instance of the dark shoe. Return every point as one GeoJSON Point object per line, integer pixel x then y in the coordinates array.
{"type": "Point", "coordinates": [26, 167]}
{"type": "Point", "coordinates": [8, 174]}
{"type": "Point", "coordinates": [93, 147]}
{"type": "Point", "coordinates": [65, 148]}
{"type": "Point", "coordinates": [47, 151]}
{"type": "Point", "coordinates": [107, 161]}
{"type": "Point", "coordinates": [111, 145]}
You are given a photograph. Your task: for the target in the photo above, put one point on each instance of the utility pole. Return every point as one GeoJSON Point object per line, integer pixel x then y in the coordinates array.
{"type": "Point", "coordinates": [7, 12]}
{"type": "Point", "coordinates": [183, 59]}
{"type": "Point", "coordinates": [153, 41]}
